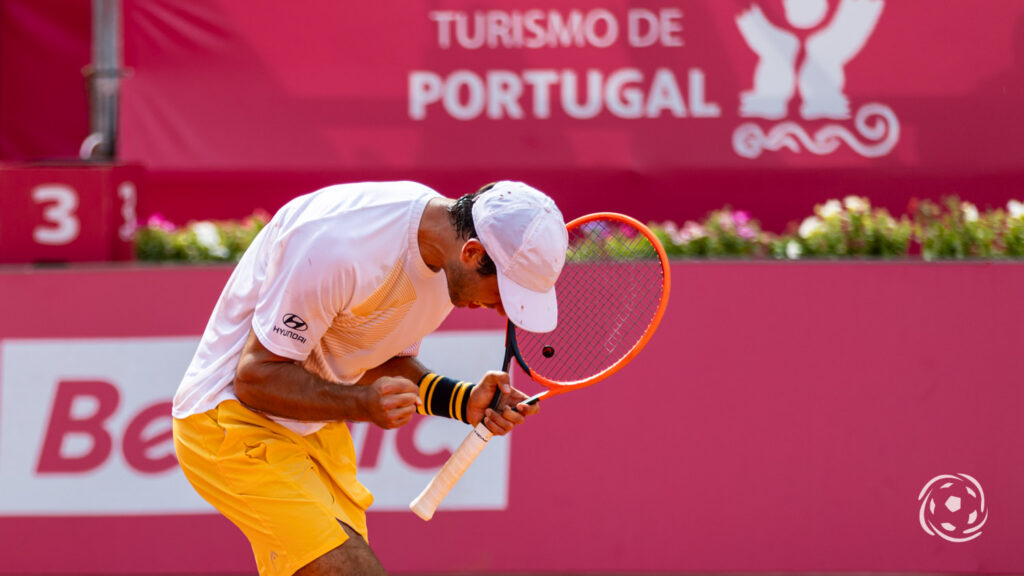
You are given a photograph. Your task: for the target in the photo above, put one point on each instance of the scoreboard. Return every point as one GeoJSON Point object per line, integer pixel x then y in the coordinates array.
{"type": "Point", "coordinates": [67, 213]}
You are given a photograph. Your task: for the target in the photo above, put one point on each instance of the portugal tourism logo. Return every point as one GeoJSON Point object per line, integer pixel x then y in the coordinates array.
{"type": "Point", "coordinates": [953, 507]}
{"type": "Point", "coordinates": [807, 57]}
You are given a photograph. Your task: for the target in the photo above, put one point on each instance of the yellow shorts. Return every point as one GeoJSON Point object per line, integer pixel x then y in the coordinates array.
{"type": "Point", "coordinates": [286, 492]}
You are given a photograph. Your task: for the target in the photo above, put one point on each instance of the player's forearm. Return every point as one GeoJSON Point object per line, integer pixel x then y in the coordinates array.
{"type": "Point", "coordinates": [407, 367]}
{"type": "Point", "coordinates": [287, 390]}
{"type": "Point", "coordinates": [277, 385]}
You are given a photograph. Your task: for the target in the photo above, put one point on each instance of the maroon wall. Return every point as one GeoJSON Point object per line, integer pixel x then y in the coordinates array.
{"type": "Point", "coordinates": [44, 108]}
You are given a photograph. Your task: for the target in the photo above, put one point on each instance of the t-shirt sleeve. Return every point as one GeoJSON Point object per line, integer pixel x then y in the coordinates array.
{"type": "Point", "coordinates": [302, 293]}
{"type": "Point", "coordinates": [413, 350]}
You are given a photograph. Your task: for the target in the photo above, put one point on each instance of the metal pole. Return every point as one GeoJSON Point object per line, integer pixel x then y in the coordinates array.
{"type": "Point", "coordinates": [104, 78]}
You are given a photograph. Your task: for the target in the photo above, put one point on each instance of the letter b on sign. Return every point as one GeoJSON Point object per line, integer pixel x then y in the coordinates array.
{"type": "Point", "coordinates": [81, 410]}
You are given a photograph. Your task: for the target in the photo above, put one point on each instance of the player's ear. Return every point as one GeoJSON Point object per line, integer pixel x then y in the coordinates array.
{"type": "Point", "coordinates": [472, 252]}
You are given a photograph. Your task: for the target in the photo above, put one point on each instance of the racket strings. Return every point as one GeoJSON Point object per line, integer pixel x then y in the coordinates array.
{"type": "Point", "coordinates": [610, 334]}
{"type": "Point", "coordinates": [609, 293]}
{"type": "Point", "coordinates": [598, 332]}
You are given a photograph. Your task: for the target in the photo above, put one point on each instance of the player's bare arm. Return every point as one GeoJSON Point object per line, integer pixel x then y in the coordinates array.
{"type": "Point", "coordinates": [386, 395]}
{"type": "Point", "coordinates": [278, 386]}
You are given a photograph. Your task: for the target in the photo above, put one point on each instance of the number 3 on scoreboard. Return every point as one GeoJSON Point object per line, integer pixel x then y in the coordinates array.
{"type": "Point", "coordinates": [60, 224]}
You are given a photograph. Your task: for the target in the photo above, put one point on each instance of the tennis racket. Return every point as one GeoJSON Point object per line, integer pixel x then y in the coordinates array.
{"type": "Point", "coordinates": [612, 293]}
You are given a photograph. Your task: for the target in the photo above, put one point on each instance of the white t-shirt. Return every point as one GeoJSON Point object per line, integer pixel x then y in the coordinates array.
{"type": "Point", "coordinates": [335, 281]}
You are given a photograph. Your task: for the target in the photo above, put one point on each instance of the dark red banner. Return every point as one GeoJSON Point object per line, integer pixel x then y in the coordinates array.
{"type": "Point", "coordinates": [44, 107]}
{"type": "Point", "coordinates": [643, 86]}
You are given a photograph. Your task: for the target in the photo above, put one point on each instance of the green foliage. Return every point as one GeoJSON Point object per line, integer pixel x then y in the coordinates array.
{"type": "Point", "coordinates": [599, 240]}
{"type": "Point", "coordinates": [847, 229]}
{"type": "Point", "coordinates": [722, 234]}
{"type": "Point", "coordinates": [851, 228]}
{"type": "Point", "coordinates": [202, 241]}
{"type": "Point", "coordinates": [1013, 232]}
{"type": "Point", "coordinates": [957, 230]}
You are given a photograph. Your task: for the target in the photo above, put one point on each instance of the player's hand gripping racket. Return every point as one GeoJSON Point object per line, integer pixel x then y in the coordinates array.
{"type": "Point", "coordinates": [611, 294]}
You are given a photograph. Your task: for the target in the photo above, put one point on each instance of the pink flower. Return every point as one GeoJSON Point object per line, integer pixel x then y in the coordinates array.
{"type": "Point", "coordinates": [740, 217]}
{"type": "Point", "coordinates": [597, 230]}
{"type": "Point", "coordinates": [260, 216]}
{"type": "Point", "coordinates": [157, 220]}
{"type": "Point", "coordinates": [692, 231]}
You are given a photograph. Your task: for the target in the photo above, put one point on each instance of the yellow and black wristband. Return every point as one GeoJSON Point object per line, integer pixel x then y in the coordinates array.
{"type": "Point", "coordinates": [444, 397]}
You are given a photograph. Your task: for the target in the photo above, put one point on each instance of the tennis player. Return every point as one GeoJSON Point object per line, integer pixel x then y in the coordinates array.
{"type": "Point", "coordinates": [320, 324]}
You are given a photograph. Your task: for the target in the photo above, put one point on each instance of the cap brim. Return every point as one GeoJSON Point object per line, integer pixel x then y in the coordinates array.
{"type": "Point", "coordinates": [532, 311]}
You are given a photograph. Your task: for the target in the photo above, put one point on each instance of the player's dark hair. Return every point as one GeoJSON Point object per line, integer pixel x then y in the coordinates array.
{"type": "Point", "coordinates": [461, 216]}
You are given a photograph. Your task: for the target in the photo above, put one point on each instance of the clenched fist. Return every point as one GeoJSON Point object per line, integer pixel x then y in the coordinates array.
{"type": "Point", "coordinates": [390, 402]}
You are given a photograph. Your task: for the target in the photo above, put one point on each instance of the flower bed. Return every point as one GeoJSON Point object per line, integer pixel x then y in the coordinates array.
{"type": "Point", "coordinates": [198, 241]}
{"type": "Point", "coordinates": [847, 228]}
{"type": "Point", "coordinates": [852, 228]}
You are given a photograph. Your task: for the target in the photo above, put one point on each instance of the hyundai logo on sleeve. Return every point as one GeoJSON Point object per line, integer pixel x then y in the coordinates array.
{"type": "Point", "coordinates": [294, 322]}
{"type": "Point", "coordinates": [296, 325]}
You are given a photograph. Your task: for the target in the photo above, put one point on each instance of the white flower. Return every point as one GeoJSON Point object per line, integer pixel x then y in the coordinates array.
{"type": "Point", "coordinates": [1016, 209]}
{"type": "Point", "coordinates": [809, 226]}
{"type": "Point", "coordinates": [693, 230]}
{"type": "Point", "coordinates": [970, 211]}
{"type": "Point", "coordinates": [856, 204]}
{"type": "Point", "coordinates": [830, 209]}
{"type": "Point", "coordinates": [208, 237]}
{"type": "Point", "coordinates": [793, 250]}
{"type": "Point", "coordinates": [672, 230]}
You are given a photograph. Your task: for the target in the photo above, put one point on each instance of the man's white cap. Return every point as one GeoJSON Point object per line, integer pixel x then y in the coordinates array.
{"type": "Point", "coordinates": [524, 233]}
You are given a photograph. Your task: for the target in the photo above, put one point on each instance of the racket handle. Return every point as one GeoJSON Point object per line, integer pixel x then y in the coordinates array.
{"type": "Point", "coordinates": [427, 502]}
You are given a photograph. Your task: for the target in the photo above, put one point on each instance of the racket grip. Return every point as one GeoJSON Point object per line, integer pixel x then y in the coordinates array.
{"type": "Point", "coordinates": [427, 502]}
